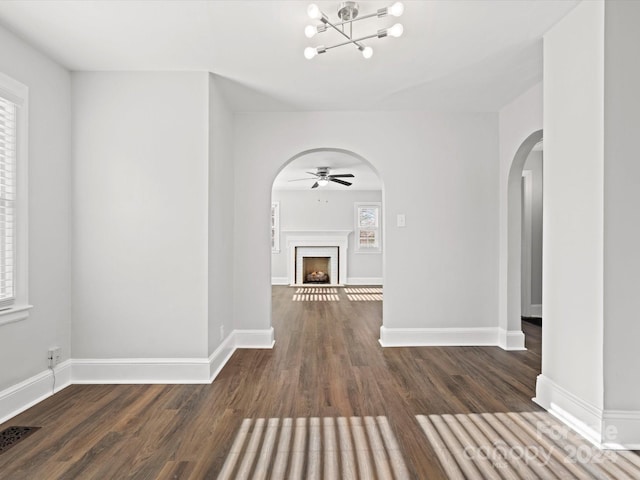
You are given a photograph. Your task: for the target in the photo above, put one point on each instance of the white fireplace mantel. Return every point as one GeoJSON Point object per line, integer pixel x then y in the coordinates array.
{"type": "Point", "coordinates": [318, 238]}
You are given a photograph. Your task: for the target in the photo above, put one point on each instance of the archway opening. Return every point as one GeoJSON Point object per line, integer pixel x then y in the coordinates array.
{"type": "Point", "coordinates": [524, 230]}
{"type": "Point", "coordinates": [327, 231]}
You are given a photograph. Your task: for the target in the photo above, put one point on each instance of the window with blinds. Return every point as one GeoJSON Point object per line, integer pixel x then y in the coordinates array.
{"type": "Point", "coordinates": [7, 201]}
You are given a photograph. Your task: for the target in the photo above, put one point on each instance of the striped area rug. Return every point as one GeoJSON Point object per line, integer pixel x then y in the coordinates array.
{"type": "Point", "coordinates": [315, 297]}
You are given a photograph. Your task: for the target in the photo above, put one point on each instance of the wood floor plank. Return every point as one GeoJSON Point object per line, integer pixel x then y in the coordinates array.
{"type": "Point", "coordinates": [327, 384]}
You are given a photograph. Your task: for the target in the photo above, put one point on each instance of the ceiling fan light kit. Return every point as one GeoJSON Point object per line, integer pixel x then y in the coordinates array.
{"type": "Point", "coordinates": [347, 14]}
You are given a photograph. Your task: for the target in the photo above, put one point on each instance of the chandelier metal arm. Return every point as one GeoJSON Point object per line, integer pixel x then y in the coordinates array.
{"type": "Point", "coordinates": [351, 40]}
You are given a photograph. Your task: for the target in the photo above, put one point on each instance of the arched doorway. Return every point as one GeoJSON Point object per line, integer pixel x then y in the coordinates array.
{"type": "Point", "coordinates": [333, 230]}
{"type": "Point", "coordinates": [515, 230]}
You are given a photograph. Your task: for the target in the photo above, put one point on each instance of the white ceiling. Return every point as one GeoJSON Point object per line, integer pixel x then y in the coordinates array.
{"type": "Point", "coordinates": [454, 55]}
{"type": "Point", "coordinates": [365, 178]}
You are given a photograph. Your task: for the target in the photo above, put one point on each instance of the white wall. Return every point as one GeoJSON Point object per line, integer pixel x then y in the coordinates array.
{"type": "Point", "coordinates": [534, 164]}
{"type": "Point", "coordinates": [519, 121]}
{"type": "Point", "coordinates": [23, 345]}
{"type": "Point", "coordinates": [329, 210]}
{"type": "Point", "coordinates": [440, 170]}
{"type": "Point", "coordinates": [221, 216]}
{"type": "Point", "coordinates": [622, 228]}
{"type": "Point", "coordinates": [140, 195]}
{"type": "Point", "coordinates": [572, 357]}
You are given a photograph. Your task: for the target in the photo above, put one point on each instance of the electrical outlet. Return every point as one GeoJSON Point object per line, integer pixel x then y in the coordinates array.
{"type": "Point", "coordinates": [54, 356]}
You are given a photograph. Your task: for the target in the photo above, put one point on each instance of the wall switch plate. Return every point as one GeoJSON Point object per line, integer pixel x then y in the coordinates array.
{"type": "Point", "coordinates": [401, 220]}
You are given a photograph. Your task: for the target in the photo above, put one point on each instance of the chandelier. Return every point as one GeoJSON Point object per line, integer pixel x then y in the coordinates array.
{"type": "Point", "coordinates": [347, 15]}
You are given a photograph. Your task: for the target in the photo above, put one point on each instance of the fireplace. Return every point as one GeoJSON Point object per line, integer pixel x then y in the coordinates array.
{"type": "Point", "coordinates": [316, 270]}
{"type": "Point", "coordinates": [329, 246]}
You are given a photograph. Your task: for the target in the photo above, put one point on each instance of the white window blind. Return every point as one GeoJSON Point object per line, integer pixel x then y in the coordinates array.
{"type": "Point", "coordinates": [7, 201]}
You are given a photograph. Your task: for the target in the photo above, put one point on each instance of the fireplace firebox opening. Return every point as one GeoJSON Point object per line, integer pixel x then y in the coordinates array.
{"type": "Point", "coordinates": [316, 270]}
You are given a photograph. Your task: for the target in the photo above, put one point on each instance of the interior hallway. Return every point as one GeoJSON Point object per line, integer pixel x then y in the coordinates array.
{"type": "Point", "coordinates": [326, 402]}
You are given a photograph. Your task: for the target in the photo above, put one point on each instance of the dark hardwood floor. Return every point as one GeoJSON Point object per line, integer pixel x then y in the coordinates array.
{"type": "Point", "coordinates": [327, 364]}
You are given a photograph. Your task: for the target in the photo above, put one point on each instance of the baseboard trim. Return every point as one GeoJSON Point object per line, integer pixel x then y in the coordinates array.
{"type": "Point", "coordinates": [535, 310]}
{"type": "Point", "coordinates": [221, 355]}
{"type": "Point", "coordinates": [422, 337]}
{"type": "Point", "coordinates": [254, 338]}
{"type": "Point", "coordinates": [581, 416]}
{"type": "Point", "coordinates": [140, 370]}
{"type": "Point", "coordinates": [18, 398]}
{"type": "Point", "coordinates": [621, 429]}
{"type": "Point", "coordinates": [279, 280]}
{"type": "Point", "coordinates": [511, 339]}
{"type": "Point", "coordinates": [364, 281]}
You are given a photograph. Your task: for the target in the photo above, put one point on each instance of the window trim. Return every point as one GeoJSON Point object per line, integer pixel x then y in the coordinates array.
{"type": "Point", "coordinates": [18, 94]}
{"type": "Point", "coordinates": [378, 229]}
{"type": "Point", "coordinates": [275, 227]}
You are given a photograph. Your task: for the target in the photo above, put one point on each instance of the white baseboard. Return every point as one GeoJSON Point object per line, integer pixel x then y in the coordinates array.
{"type": "Point", "coordinates": [279, 280]}
{"type": "Point", "coordinates": [31, 391]}
{"type": "Point", "coordinates": [140, 370]}
{"type": "Point", "coordinates": [511, 339]}
{"type": "Point", "coordinates": [420, 337]}
{"type": "Point", "coordinates": [621, 430]}
{"type": "Point", "coordinates": [535, 310]}
{"type": "Point", "coordinates": [254, 338]}
{"type": "Point", "coordinates": [219, 358]}
{"type": "Point", "coordinates": [364, 281]}
{"type": "Point", "coordinates": [581, 416]}
{"type": "Point", "coordinates": [18, 398]}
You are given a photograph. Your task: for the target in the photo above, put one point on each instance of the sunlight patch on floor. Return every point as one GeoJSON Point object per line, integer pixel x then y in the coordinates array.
{"type": "Point", "coordinates": [315, 297]}
{"type": "Point", "coordinates": [365, 298]}
{"type": "Point", "coordinates": [528, 445]}
{"type": "Point", "coordinates": [364, 290]}
{"type": "Point", "coordinates": [317, 290]}
{"type": "Point", "coordinates": [315, 448]}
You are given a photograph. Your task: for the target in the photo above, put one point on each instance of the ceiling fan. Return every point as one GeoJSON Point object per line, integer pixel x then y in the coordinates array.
{"type": "Point", "coordinates": [322, 177]}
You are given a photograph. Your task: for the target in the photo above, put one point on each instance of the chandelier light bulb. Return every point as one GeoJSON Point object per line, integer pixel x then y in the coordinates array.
{"type": "Point", "coordinates": [314, 11]}
{"type": "Point", "coordinates": [310, 31]}
{"type": "Point", "coordinates": [310, 52]}
{"type": "Point", "coordinates": [323, 182]}
{"type": "Point", "coordinates": [395, 31]}
{"type": "Point", "coordinates": [396, 9]}
{"type": "Point", "coordinates": [367, 52]}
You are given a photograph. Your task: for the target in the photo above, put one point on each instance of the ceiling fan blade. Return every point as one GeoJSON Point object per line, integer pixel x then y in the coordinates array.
{"type": "Point", "coordinates": [314, 174]}
{"type": "Point", "coordinates": [342, 182]}
{"type": "Point", "coordinates": [343, 175]}
{"type": "Point", "coordinates": [315, 185]}
{"type": "Point", "coordinates": [300, 179]}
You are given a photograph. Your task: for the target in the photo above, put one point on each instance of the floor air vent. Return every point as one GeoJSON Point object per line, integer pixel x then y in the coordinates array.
{"type": "Point", "coordinates": [12, 435]}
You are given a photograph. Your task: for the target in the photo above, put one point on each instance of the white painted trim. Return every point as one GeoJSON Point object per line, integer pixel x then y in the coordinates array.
{"type": "Point", "coordinates": [581, 416]}
{"type": "Point", "coordinates": [24, 395]}
{"type": "Point", "coordinates": [221, 355]}
{"type": "Point", "coordinates": [420, 337]}
{"type": "Point", "coordinates": [279, 280]}
{"type": "Point", "coordinates": [140, 370]}
{"type": "Point", "coordinates": [621, 429]}
{"type": "Point", "coordinates": [15, 314]}
{"type": "Point", "coordinates": [364, 281]}
{"type": "Point", "coordinates": [254, 338]}
{"type": "Point", "coordinates": [319, 238]}
{"type": "Point", "coordinates": [536, 310]}
{"type": "Point", "coordinates": [18, 398]}
{"type": "Point", "coordinates": [511, 339]}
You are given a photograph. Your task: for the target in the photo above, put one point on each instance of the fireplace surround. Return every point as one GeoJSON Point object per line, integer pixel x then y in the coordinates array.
{"type": "Point", "coordinates": [317, 243]}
